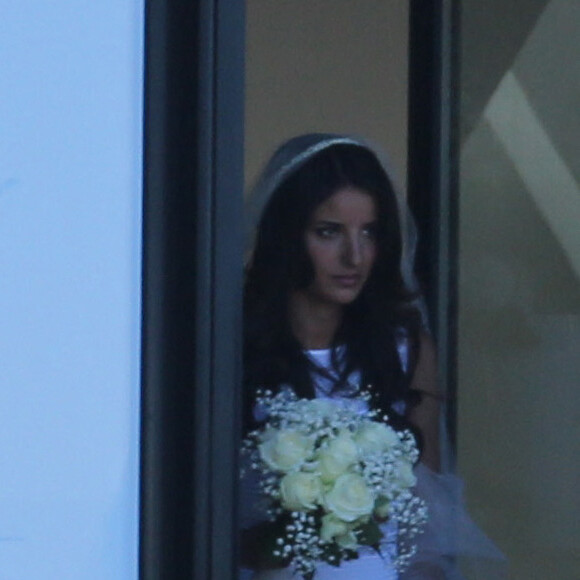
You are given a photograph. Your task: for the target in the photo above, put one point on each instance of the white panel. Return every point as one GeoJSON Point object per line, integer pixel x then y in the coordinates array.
{"type": "Point", "coordinates": [70, 202]}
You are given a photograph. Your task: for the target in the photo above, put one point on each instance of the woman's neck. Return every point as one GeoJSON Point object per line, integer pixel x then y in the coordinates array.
{"type": "Point", "coordinates": [314, 324]}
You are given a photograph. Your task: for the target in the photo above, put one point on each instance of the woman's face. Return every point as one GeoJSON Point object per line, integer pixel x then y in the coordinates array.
{"type": "Point", "coordinates": [341, 242]}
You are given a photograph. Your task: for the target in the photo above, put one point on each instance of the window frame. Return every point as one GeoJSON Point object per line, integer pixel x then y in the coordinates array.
{"type": "Point", "coordinates": [432, 178]}
{"type": "Point", "coordinates": [192, 287]}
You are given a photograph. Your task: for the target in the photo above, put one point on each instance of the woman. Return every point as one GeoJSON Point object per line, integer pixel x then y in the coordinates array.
{"type": "Point", "coordinates": [330, 304]}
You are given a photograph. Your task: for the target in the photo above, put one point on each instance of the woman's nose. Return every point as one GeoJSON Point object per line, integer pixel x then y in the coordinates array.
{"type": "Point", "coordinates": [353, 251]}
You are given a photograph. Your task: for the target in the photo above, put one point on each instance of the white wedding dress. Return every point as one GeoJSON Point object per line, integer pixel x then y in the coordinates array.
{"type": "Point", "coordinates": [449, 534]}
{"type": "Point", "coordinates": [370, 564]}
{"type": "Point", "coordinates": [366, 567]}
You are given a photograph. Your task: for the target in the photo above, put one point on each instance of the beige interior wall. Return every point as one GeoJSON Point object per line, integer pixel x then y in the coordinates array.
{"type": "Point", "coordinates": [326, 65]}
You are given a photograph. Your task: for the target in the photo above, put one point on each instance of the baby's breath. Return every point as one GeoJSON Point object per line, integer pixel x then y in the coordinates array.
{"type": "Point", "coordinates": [321, 421]}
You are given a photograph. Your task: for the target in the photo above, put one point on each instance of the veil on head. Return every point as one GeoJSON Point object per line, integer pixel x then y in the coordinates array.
{"type": "Point", "coordinates": [291, 155]}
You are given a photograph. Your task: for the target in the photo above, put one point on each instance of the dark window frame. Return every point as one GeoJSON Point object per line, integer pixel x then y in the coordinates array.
{"type": "Point", "coordinates": [433, 176]}
{"type": "Point", "coordinates": [192, 286]}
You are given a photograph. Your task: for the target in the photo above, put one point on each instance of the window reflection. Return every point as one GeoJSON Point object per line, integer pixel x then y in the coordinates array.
{"type": "Point", "coordinates": [519, 323]}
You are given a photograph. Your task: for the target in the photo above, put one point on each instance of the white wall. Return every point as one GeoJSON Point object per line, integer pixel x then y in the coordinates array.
{"type": "Point", "coordinates": [70, 199]}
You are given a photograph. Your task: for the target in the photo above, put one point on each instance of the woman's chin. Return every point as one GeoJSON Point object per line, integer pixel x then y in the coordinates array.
{"type": "Point", "coordinates": [344, 296]}
{"type": "Point", "coordinates": [333, 295]}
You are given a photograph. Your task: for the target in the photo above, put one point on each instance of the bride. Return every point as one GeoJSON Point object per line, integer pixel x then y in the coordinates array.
{"type": "Point", "coordinates": [331, 305]}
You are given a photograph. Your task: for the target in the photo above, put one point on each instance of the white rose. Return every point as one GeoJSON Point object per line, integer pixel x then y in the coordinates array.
{"type": "Point", "coordinates": [350, 498]}
{"type": "Point", "coordinates": [334, 529]}
{"type": "Point", "coordinates": [331, 527]}
{"type": "Point", "coordinates": [373, 437]}
{"type": "Point", "coordinates": [404, 473]}
{"type": "Point", "coordinates": [335, 459]}
{"type": "Point", "coordinates": [382, 508]}
{"type": "Point", "coordinates": [300, 491]}
{"type": "Point", "coordinates": [347, 541]}
{"type": "Point", "coordinates": [285, 450]}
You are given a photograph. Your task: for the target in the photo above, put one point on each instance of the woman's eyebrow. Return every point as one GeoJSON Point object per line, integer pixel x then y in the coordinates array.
{"type": "Point", "coordinates": [326, 222]}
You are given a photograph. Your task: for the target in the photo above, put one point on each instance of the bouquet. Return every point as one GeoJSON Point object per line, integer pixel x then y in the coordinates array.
{"type": "Point", "coordinates": [331, 471]}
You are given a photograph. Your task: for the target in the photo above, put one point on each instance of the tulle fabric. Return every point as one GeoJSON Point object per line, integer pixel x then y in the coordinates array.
{"type": "Point", "coordinates": [452, 546]}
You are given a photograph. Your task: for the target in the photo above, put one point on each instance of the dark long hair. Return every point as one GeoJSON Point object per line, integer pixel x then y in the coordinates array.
{"type": "Point", "coordinates": [373, 325]}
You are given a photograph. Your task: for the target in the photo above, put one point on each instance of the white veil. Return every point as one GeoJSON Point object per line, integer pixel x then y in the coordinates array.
{"type": "Point", "coordinates": [293, 154]}
{"type": "Point", "coordinates": [451, 538]}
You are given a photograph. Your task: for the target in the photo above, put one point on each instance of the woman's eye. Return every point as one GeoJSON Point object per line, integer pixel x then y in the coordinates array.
{"type": "Point", "coordinates": [370, 232]}
{"type": "Point", "coordinates": [326, 231]}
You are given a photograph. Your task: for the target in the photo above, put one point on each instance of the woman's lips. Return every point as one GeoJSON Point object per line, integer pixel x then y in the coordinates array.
{"type": "Point", "coordinates": [347, 281]}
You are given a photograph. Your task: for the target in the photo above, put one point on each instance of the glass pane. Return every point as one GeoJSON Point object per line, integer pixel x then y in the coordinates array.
{"type": "Point", "coordinates": [519, 311]}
